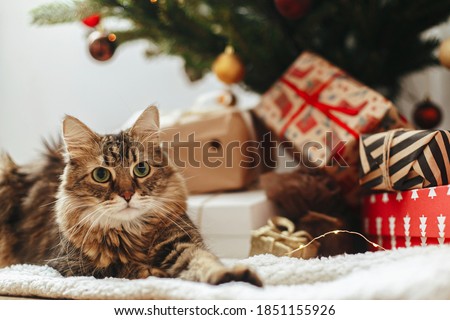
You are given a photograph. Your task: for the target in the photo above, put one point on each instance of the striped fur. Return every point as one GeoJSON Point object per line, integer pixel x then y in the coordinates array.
{"type": "Point", "coordinates": [55, 212]}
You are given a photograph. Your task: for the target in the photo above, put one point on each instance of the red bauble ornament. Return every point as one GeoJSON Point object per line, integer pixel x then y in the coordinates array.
{"type": "Point", "coordinates": [92, 21]}
{"type": "Point", "coordinates": [427, 115]}
{"type": "Point", "coordinates": [102, 46]}
{"type": "Point", "coordinates": [293, 9]}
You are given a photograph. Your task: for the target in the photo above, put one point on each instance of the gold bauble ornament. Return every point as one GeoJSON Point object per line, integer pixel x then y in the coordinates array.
{"type": "Point", "coordinates": [444, 53]}
{"type": "Point", "coordinates": [228, 67]}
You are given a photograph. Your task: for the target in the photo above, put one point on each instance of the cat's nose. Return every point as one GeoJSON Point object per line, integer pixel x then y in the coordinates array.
{"type": "Point", "coordinates": [127, 195]}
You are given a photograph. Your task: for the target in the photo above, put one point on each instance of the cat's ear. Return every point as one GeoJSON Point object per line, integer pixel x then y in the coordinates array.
{"type": "Point", "coordinates": [78, 138]}
{"type": "Point", "coordinates": [147, 125]}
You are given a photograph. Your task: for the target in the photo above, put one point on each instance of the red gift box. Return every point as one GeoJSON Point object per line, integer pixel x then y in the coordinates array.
{"type": "Point", "coordinates": [408, 218]}
{"type": "Point", "coordinates": [315, 101]}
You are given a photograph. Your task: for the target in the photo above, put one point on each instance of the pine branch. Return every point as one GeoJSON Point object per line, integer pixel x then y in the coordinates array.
{"type": "Point", "coordinates": [377, 41]}
{"type": "Point", "coordinates": [63, 12]}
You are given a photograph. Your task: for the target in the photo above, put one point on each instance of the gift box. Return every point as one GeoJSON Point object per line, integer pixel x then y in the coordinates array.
{"type": "Point", "coordinates": [408, 218]}
{"type": "Point", "coordinates": [322, 111]}
{"type": "Point", "coordinates": [279, 238]}
{"type": "Point", "coordinates": [226, 220]}
{"type": "Point", "coordinates": [212, 148]}
{"type": "Point", "coordinates": [402, 160]}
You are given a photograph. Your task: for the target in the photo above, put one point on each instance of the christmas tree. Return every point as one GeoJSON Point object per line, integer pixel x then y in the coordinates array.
{"type": "Point", "coordinates": [376, 41]}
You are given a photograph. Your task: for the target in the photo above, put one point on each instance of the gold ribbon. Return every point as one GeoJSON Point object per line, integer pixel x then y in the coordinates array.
{"type": "Point", "coordinates": [278, 236]}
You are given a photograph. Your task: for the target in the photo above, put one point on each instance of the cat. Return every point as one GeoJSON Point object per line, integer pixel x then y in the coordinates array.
{"type": "Point", "coordinates": [106, 206]}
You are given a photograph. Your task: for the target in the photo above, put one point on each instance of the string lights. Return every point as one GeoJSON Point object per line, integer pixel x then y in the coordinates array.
{"type": "Point", "coordinates": [303, 246]}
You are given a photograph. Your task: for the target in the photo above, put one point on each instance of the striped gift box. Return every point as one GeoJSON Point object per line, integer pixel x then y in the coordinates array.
{"type": "Point", "coordinates": [405, 159]}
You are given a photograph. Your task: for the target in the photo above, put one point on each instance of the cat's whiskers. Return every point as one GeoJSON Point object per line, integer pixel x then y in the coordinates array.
{"type": "Point", "coordinates": [82, 222]}
{"type": "Point", "coordinates": [63, 240]}
{"type": "Point", "coordinates": [189, 178]}
{"type": "Point", "coordinates": [168, 212]}
{"type": "Point", "coordinates": [75, 228]}
{"type": "Point", "coordinates": [169, 200]}
{"type": "Point", "coordinates": [134, 226]}
{"type": "Point", "coordinates": [150, 202]}
{"type": "Point", "coordinates": [70, 233]}
{"type": "Point", "coordinates": [53, 202]}
{"type": "Point", "coordinates": [70, 206]}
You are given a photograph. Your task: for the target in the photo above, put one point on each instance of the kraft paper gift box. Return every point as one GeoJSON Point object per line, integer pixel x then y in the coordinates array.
{"type": "Point", "coordinates": [212, 149]}
{"type": "Point", "coordinates": [405, 159]}
{"type": "Point", "coordinates": [226, 220]}
{"type": "Point", "coordinates": [316, 102]}
{"type": "Point", "coordinates": [416, 217]}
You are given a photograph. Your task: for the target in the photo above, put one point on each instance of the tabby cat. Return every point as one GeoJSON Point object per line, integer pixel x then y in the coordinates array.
{"type": "Point", "coordinates": [106, 206]}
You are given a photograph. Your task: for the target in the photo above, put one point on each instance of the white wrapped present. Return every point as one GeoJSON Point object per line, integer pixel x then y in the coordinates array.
{"type": "Point", "coordinates": [226, 220]}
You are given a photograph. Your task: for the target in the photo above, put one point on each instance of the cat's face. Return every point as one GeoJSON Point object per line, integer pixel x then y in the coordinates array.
{"type": "Point", "coordinates": [119, 180]}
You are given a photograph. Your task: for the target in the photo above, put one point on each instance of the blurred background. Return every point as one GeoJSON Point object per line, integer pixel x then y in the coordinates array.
{"type": "Point", "coordinates": [47, 71]}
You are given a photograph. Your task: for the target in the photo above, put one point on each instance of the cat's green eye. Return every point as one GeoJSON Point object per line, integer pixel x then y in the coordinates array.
{"type": "Point", "coordinates": [141, 170]}
{"type": "Point", "coordinates": [101, 175]}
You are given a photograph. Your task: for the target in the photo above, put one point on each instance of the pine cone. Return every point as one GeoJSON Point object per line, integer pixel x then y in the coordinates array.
{"type": "Point", "coordinates": [313, 201]}
{"type": "Point", "coordinates": [302, 191]}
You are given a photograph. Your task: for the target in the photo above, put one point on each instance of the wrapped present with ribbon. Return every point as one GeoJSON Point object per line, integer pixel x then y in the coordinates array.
{"type": "Point", "coordinates": [399, 160]}
{"type": "Point", "coordinates": [322, 111]}
{"type": "Point", "coordinates": [279, 238]}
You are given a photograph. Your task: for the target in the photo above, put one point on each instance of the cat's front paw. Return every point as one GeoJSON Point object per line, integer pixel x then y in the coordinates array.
{"type": "Point", "coordinates": [237, 273]}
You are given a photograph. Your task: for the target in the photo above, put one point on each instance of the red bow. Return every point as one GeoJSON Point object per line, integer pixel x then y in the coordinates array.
{"type": "Point", "coordinates": [327, 110]}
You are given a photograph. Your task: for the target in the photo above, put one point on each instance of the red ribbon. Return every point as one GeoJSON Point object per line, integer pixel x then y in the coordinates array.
{"type": "Point", "coordinates": [313, 100]}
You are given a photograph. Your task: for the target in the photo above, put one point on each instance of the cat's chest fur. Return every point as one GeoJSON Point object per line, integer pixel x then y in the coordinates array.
{"type": "Point", "coordinates": [113, 252]}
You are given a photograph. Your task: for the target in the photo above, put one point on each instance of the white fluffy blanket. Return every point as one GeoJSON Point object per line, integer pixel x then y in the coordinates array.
{"type": "Point", "coordinates": [413, 273]}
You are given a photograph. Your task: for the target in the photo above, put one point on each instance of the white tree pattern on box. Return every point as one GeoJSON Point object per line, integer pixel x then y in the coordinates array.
{"type": "Point", "coordinates": [406, 226]}
{"type": "Point", "coordinates": [423, 230]}
{"type": "Point", "coordinates": [385, 198]}
{"type": "Point", "coordinates": [432, 193]}
{"type": "Point", "coordinates": [392, 232]}
{"type": "Point", "coordinates": [441, 226]}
